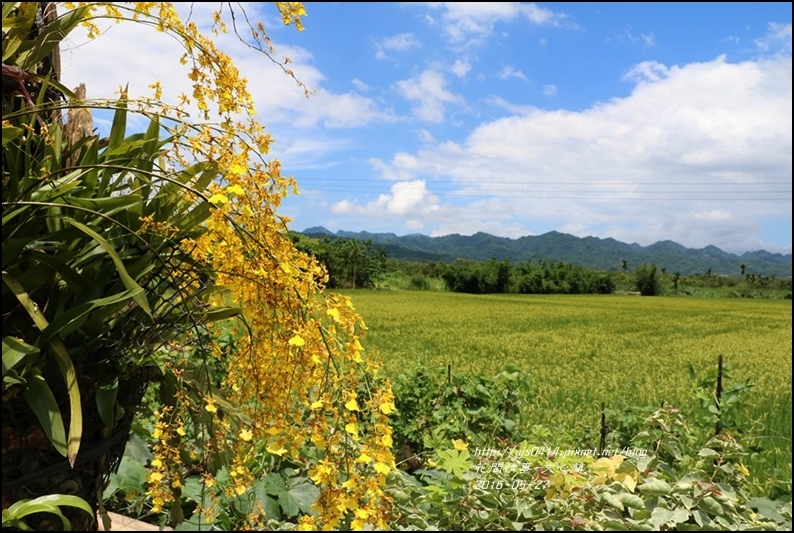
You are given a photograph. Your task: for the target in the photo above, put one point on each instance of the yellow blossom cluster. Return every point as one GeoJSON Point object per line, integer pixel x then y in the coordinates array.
{"type": "Point", "coordinates": [161, 478]}
{"type": "Point", "coordinates": [161, 228]}
{"type": "Point", "coordinates": [298, 377]}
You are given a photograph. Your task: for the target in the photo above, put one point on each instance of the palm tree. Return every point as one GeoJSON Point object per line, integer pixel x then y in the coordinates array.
{"type": "Point", "coordinates": [354, 251]}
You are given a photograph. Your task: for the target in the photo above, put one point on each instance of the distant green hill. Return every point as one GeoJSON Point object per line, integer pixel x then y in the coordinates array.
{"type": "Point", "coordinates": [589, 252]}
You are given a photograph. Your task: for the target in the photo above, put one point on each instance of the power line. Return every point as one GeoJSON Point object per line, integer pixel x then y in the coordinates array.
{"type": "Point", "coordinates": [555, 183]}
{"type": "Point", "coordinates": [775, 195]}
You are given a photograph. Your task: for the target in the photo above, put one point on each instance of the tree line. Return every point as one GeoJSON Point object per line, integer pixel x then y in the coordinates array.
{"type": "Point", "coordinates": [350, 263]}
{"type": "Point", "coordinates": [355, 263]}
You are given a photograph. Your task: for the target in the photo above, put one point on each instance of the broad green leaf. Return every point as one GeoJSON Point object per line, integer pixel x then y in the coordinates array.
{"type": "Point", "coordinates": [523, 509]}
{"type": "Point", "coordinates": [90, 164]}
{"type": "Point", "coordinates": [681, 515]}
{"type": "Point", "coordinates": [142, 266]}
{"type": "Point", "coordinates": [29, 508]}
{"type": "Point", "coordinates": [197, 522]}
{"type": "Point", "coordinates": [43, 404]}
{"type": "Point", "coordinates": [10, 45]}
{"type": "Point", "coordinates": [299, 498]}
{"type": "Point", "coordinates": [710, 505]}
{"type": "Point", "coordinates": [660, 516]}
{"type": "Point", "coordinates": [130, 477]}
{"type": "Point", "coordinates": [615, 525]}
{"type": "Point", "coordinates": [767, 509]}
{"type": "Point", "coordinates": [268, 502]}
{"type": "Point", "coordinates": [193, 489]}
{"type": "Point", "coordinates": [138, 450]}
{"type": "Point", "coordinates": [454, 461]}
{"type": "Point", "coordinates": [275, 484]}
{"type": "Point", "coordinates": [612, 501]}
{"type": "Point", "coordinates": [208, 174]}
{"type": "Point", "coordinates": [655, 487]}
{"type": "Point", "coordinates": [53, 148]}
{"type": "Point", "coordinates": [727, 491]}
{"type": "Point", "coordinates": [701, 518]}
{"type": "Point", "coordinates": [686, 501]}
{"type": "Point", "coordinates": [640, 515]}
{"type": "Point", "coordinates": [126, 153]}
{"type": "Point", "coordinates": [644, 462]}
{"type": "Point", "coordinates": [145, 163]}
{"type": "Point", "coordinates": [632, 500]}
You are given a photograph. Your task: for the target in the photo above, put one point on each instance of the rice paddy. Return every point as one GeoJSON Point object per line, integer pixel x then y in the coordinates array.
{"type": "Point", "coordinates": [580, 351]}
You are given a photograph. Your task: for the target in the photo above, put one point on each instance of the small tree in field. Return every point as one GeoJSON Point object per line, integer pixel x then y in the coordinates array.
{"type": "Point", "coordinates": [646, 279]}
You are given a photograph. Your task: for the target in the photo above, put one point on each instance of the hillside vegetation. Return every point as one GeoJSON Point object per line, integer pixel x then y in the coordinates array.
{"type": "Point", "coordinates": [588, 252]}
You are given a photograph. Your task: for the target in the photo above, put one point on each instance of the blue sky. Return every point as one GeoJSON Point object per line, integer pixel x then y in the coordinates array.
{"type": "Point", "coordinates": [637, 121]}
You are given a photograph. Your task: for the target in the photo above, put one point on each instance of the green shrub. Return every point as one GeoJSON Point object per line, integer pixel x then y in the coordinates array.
{"type": "Point", "coordinates": [646, 280]}
{"type": "Point", "coordinates": [433, 410]}
{"type": "Point", "coordinates": [419, 282]}
{"type": "Point", "coordinates": [543, 491]}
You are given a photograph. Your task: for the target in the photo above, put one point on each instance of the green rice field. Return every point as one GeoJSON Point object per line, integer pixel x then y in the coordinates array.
{"type": "Point", "coordinates": [580, 351]}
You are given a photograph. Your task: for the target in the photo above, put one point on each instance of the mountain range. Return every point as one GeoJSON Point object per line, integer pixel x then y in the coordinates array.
{"type": "Point", "coordinates": [589, 252]}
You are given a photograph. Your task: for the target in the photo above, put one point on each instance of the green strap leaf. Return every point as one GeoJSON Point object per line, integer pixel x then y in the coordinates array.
{"type": "Point", "coordinates": [108, 205]}
{"type": "Point", "coordinates": [50, 36]}
{"type": "Point", "coordinates": [74, 279]}
{"type": "Point", "coordinates": [119, 126]}
{"type": "Point", "coordinates": [49, 503]}
{"type": "Point", "coordinates": [14, 352]}
{"type": "Point", "coordinates": [16, 28]}
{"type": "Point", "coordinates": [55, 189]}
{"type": "Point", "coordinates": [223, 314]}
{"type": "Point", "coordinates": [106, 402]}
{"type": "Point", "coordinates": [140, 297]}
{"type": "Point", "coordinates": [42, 401]}
{"type": "Point", "coordinates": [71, 320]}
{"type": "Point", "coordinates": [10, 215]}
{"type": "Point", "coordinates": [8, 8]}
{"type": "Point", "coordinates": [10, 133]}
{"type": "Point", "coordinates": [65, 365]}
